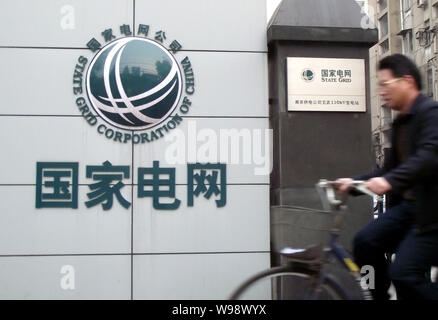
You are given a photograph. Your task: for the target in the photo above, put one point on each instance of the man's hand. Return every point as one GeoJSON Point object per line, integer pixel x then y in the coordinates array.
{"type": "Point", "coordinates": [378, 185]}
{"type": "Point", "coordinates": [344, 185]}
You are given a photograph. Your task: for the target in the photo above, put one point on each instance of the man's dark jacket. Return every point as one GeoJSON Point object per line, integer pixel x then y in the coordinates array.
{"type": "Point", "coordinates": [420, 171]}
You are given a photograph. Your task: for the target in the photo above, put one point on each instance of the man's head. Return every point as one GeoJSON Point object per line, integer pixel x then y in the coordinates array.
{"type": "Point", "coordinates": [399, 81]}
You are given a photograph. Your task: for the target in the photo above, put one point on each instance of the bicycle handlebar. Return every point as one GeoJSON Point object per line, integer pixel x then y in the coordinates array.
{"type": "Point", "coordinates": [326, 189]}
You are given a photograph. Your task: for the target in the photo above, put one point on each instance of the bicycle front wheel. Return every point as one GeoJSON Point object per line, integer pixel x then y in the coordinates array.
{"type": "Point", "coordinates": [288, 283]}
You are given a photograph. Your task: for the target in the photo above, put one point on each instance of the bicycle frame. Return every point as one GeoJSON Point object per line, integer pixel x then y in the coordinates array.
{"type": "Point", "coordinates": [341, 255]}
{"type": "Point", "coordinates": [335, 250]}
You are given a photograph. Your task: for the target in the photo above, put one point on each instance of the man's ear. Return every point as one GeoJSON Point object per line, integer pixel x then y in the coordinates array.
{"type": "Point", "coordinates": [410, 80]}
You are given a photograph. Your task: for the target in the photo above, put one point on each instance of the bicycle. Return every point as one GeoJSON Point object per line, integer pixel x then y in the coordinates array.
{"type": "Point", "coordinates": [306, 270]}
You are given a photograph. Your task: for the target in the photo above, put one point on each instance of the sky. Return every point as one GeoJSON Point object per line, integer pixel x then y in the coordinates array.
{"type": "Point", "coordinates": [271, 5]}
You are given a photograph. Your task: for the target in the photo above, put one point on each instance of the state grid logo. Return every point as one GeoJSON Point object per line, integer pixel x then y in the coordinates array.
{"type": "Point", "coordinates": [308, 75]}
{"type": "Point", "coordinates": [134, 89]}
{"type": "Point", "coordinates": [134, 83]}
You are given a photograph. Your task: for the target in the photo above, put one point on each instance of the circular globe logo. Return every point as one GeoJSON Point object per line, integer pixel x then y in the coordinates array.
{"type": "Point", "coordinates": [134, 83]}
{"type": "Point", "coordinates": [308, 75]}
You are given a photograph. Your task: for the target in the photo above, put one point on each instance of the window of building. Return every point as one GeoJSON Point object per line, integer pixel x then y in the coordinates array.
{"type": "Point", "coordinates": [424, 36]}
{"type": "Point", "coordinates": [382, 5]}
{"type": "Point", "coordinates": [427, 23]}
{"type": "Point", "coordinates": [408, 44]}
{"type": "Point", "coordinates": [383, 25]}
{"type": "Point", "coordinates": [407, 4]}
{"type": "Point", "coordinates": [384, 47]}
{"type": "Point", "coordinates": [422, 4]}
{"type": "Point", "coordinates": [429, 78]}
{"type": "Point", "coordinates": [386, 115]}
{"type": "Point", "coordinates": [435, 11]}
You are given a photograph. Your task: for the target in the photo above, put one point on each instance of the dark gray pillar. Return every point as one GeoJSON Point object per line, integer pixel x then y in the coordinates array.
{"type": "Point", "coordinates": [313, 145]}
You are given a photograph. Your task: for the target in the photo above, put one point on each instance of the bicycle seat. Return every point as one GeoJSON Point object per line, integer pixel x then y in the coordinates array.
{"type": "Point", "coordinates": [310, 254]}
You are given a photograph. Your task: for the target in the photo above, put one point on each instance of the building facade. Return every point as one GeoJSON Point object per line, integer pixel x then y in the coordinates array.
{"type": "Point", "coordinates": [408, 27]}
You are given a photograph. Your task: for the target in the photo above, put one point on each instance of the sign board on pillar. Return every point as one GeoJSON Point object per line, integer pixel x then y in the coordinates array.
{"type": "Point", "coordinates": [322, 84]}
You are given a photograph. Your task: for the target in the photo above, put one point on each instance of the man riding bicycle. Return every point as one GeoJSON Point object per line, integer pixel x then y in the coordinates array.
{"type": "Point", "coordinates": [409, 177]}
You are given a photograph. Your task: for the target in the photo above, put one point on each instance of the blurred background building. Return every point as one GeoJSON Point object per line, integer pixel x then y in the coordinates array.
{"type": "Point", "coordinates": [408, 27]}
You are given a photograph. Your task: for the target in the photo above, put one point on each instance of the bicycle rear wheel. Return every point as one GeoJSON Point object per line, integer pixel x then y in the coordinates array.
{"type": "Point", "coordinates": [288, 283]}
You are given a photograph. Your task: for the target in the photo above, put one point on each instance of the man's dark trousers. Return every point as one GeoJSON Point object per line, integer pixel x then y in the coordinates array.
{"type": "Point", "coordinates": [394, 231]}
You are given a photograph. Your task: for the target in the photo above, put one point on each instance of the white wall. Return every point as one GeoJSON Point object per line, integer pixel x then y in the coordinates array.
{"type": "Point", "coordinates": [199, 252]}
